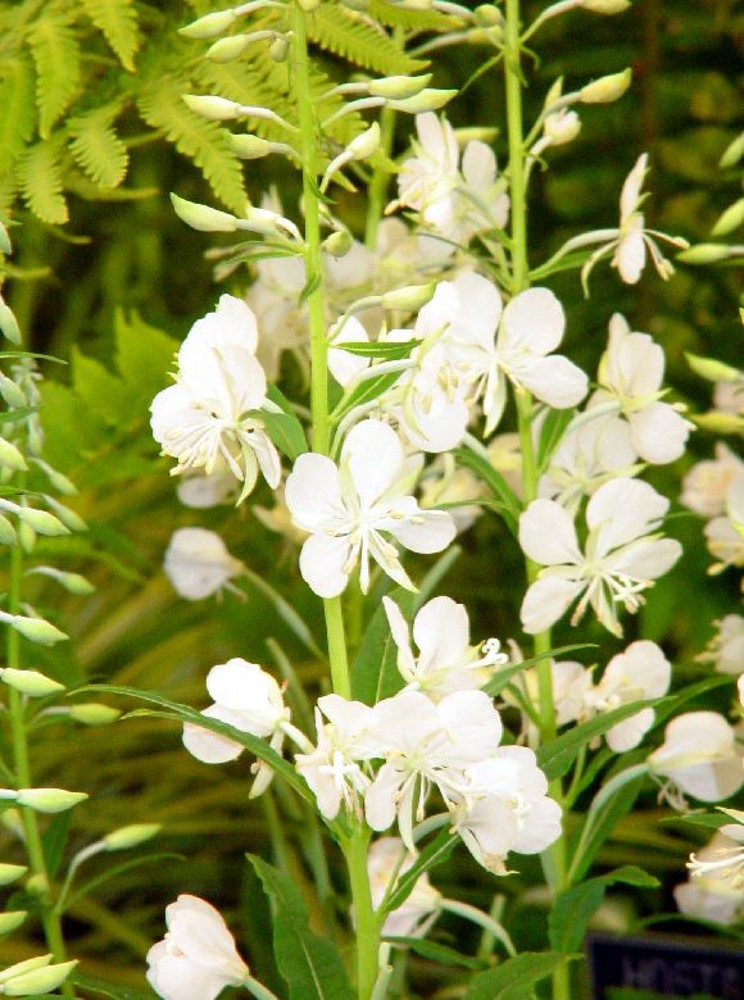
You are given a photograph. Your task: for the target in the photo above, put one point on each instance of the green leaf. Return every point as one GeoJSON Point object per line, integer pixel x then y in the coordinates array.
{"type": "Point", "coordinates": [555, 758]}
{"type": "Point", "coordinates": [511, 507]}
{"type": "Point", "coordinates": [19, 109]}
{"type": "Point", "coordinates": [365, 392]}
{"type": "Point", "coordinates": [502, 677]}
{"type": "Point", "coordinates": [97, 148]}
{"type": "Point", "coordinates": [551, 432]}
{"type": "Point", "coordinates": [573, 909]}
{"type": "Point", "coordinates": [40, 179]}
{"type": "Point", "coordinates": [342, 31]}
{"type": "Point", "coordinates": [381, 351]}
{"type": "Point", "coordinates": [284, 429]}
{"type": "Point", "coordinates": [435, 853]}
{"type": "Point", "coordinates": [110, 991]}
{"type": "Point", "coordinates": [374, 672]}
{"type": "Point", "coordinates": [437, 952]}
{"type": "Point", "coordinates": [604, 814]}
{"type": "Point", "coordinates": [311, 965]}
{"type": "Point", "coordinates": [117, 19]}
{"type": "Point", "coordinates": [57, 58]}
{"type": "Point", "coordinates": [55, 841]}
{"type": "Point", "coordinates": [513, 979]}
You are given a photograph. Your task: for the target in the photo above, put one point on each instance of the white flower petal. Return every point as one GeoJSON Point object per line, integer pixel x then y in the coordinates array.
{"type": "Point", "coordinates": [324, 564]}
{"type": "Point", "coordinates": [533, 322]}
{"type": "Point", "coordinates": [547, 534]}
{"type": "Point", "coordinates": [546, 600]}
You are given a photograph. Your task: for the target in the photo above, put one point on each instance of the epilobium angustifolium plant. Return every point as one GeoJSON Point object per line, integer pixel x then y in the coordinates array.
{"type": "Point", "coordinates": [414, 352]}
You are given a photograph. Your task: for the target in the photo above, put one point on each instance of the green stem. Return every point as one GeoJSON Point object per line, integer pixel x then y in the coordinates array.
{"type": "Point", "coordinates": [17, 712]}
{"type": "Point", "coordinates": [554, 859]}
{"type": "Point", "coordinates": [365, 918]}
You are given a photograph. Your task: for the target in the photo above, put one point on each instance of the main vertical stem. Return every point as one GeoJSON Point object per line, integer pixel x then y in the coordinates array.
{"type": "Point", "coordinates": [554, 859]}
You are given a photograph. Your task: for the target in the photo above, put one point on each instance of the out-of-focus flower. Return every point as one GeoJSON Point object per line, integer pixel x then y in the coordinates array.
{"type": "Point", "coordinates": [446, 661]}
{"type": "Point", "coordinates": [198, 564]}
{"type": "Point", "coordinates": [210, 418]}
{"type": "Point", "coordinates": [705, 486]}
{"type": "Point", "coordinates": [451, 485]}
{"type": "Point", "coordinates": [726, 649]}
{"type": "Point", "coordinates": [199, 490]}
{"type": "Point", "coordinates": [714, 890]}
{"type": "Point", "coordinates": [623, 554]}
{"type": "Point", "coordinates": [725, 534]}
{"type": "Point", "coordinates": [348, 508]}
{"type": "Point", "coordinates": [388, 859]}
{"type": "Point", "coordinates": [197, 958]}
{"type": "Point", "coordinates": [700, 757]}
{"type": "Point", "coordinates": [729, 396]}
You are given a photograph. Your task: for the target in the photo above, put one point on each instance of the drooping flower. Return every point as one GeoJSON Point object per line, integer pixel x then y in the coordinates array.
{"type": "Point", "coordinates": [386, 861]}
{"type": "Point", "coordinates": [623, 554]}
{"type": "Point", "coordinates": [726, 649]}
{"type": "Point", "coordinates": [198, 564]}
{"type": "Point", "coordinates": [197, 958]}
{"type": "Point", "coordinates": [631, 373]}
{"type": "Point", "coordinates": [209, 419]}
{"type": "Point", "coordinates": [446, 661]}
{"type": "Point", "coordinates": [700, 757]}
{"type": "Point", "coordinates": [714, 889]}
{"type": "Point", "coordinates": [350, 507]}
{"type": "Point", "coordinates": [705, 486]}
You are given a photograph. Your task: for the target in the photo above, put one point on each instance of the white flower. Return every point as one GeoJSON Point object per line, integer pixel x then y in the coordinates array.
{"type": "Point", "coordinates": [728, 397]}
{"type": "Point", "coordinates": [639, 673]}
{"type": "Point", "coordinates": [725, 534]}
{"type": "Point", "coordinates": [726, 648]}
{"type": "Point", "coordinates": [198, 564]}
{"type": "Point", "coordinates": [348, 508]}
{"type": "Point", "coordinates": [506, 808]}
{"type": "Point", "coordinates": [386, 861]}
{"type": "Point", "coordinates": [631, 240]}
{"type": "Point", "coordinates": [456, 203]}
{"type": "Point", "coordinates": [197, 958]}
{"type": "Point", "coordinates": [631, 373]}
{"type": "Point", "coordinates": [705, 486]}
{"type": "Point", "coordinates": [246, 697]}
{"type": "Point", "coordinates": [623, 554]}
{"type": "Point", "coordinates": [208, 419]}
{"type": "Point", "coordinates": [700, 757]}
{"type": "Point", "coordinates": [714, 891]}
{"type": "Point", "coordinates": [426, 744]}
{"type": "Point", "coordinates": [446, 661]}
{"type": "Point", "coordinates": [199, 490]}
{"type": "Point", "coordinates": [332, 769]}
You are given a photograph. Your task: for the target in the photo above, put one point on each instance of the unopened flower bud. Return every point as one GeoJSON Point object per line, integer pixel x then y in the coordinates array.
{"type": "Point", "coordinates": [608, 7]}
{"type": "Point", "coordinates": [226, 49]}
{"type": "Point", "coordinates": [729, 220]}
{"type": "Point", "coordinates": [410, 298]}
{"type": "Point", "coordinates": [488, 16]}
{"type": "Point", "coordinates": [39, 981]}
{"type": "Point", "coordinates": [717, 422]}
{"type": "Point", "coordinates": [11, 920]}
{"type": "Point", "coordinates": [399, 87]}
{"type": "Point", "coordinates": [12, 394]}
{"type": "Point", "coordinates": [10, 457]}
{"type": "Point", "coordinates": [250, 147]}
{"type": "Point", "coordinates": [41, 521]}
{"type": "Point", "coordinates": [93, 714]}
{"type": "Point", "coordinates": [562, 126]}
{"type": "Point", "coordinates": [279, 48]}
{"type": "Point", "coordinates": [33, 629]}
{"type": "Point", "coordinates": [711, 369]}
{"type": "Point", "coordinates": [267, 223]}
{"type": "Point", "coordinates": [26, 536]}
{"type": "Point", "coordinates": [30, 682]}
{"type": "Point", "coordinates": [428, 100]}
{"type": "Point", "coordinates": [130, 836]}
{"type": "Point", "coordinates": [365, 144]}
{"type": "Point", "coordinates": [732, 153]}
{"type": "Point", "coordinates": [7, 532]}
{"type": "Point", "coordinates": [73, 583]}
{"type": "Point", "coordinates": [209, 26]}
{"type": "Point", "coordinates": [705, 253]}
{"type": "Point", "coordinates": [59, 481]}
{"type": "Point", "coordinates": [37, 886]}
{"type": "Point", "coordinates": [203, 218]}
{"type": "Point", "coordinates": [39, 962]}
{"type": "Point", "coordinates": [49, 800]}
{"type": "Point", "coordinates": [339, 243]}
{"type": "Point", "coordinates": [8, 323]}
{"type": "Point", "coordinates": [217, 109]}
{"type": "Point", "coordinates": [607, 88]}
{"type": "Point", "coordinates": [70, 518]}
{"type": "Point", "coordinates": [11, 873]}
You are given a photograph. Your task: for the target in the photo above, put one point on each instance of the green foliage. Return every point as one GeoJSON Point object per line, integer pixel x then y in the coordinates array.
{"type": "Point", "coordinates": [118, 21]}
{"type": "Point", "coordinates": [345, 33]}
{"type": "Point", "coordinates": [514, 978]}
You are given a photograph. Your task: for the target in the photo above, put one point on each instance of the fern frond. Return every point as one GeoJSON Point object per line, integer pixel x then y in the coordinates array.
{"type": "Point", "coordinates": [97, 148]}
{"type": "Point", "coordinates": [393, 15]}
{"type": "Point", "coordinates": [57, 59]}
{"type": "Point", "coordinates": [117, 19]}
{"type": "Point", "coordinates": [353, 37]}
{"type": "Point", "coordinates": [18, 105]}
{"type": "Point", "coordinates": [40, 179]}
{"type": "Point", "coordinates": [203, 142]}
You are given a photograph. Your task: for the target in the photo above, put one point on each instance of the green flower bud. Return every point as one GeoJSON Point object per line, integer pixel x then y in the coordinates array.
{"type": "Point", "coordinates": [720, 423]}
{"type": "Point", "coordinates": [729, 220]}
{"type": "Point", "coordinates": [33, 629]}
{"type": "Point", "coordinates": [732, 153]}
{"type": "Point", "coordinates": [217, 109]}
{"type": "Point", "coordinates": [93, 714]}
{"type": "Point", "coordinates": [7, 532]}
{"type": "Point", "coordinates": [5, 245]}
{"type": "Point", "coordinates": [11, 457]}
{"type": "Point", "coordinates": [68, 517]}
{"type": "Point", "coordinates": [39, 981]}
{"type": "Point", "coordinates": [10, 921]}
{"type": "Point", "coordinates": [278, 49]}
{"type": "Point", "coordinates": [11, 873]}
{"type": "Point", "coordinates": [250, 147]}
{"type": "Point", "coordinates": [488, 16]}
{"type": "Point", "coordinates": [399, 88]}
{"type": "Point", "coordinates": [30, 682]}
{"type": "Point", "coordinates": [203, 218]}
{"type": "Point", "coordinates": [607, 88]}
{"type": "Point", "coordinates": [127, 837]}
{"type": "Point", "coordinates": [608, 7]}
{"type": "Point", "coordinates": [8, 323]}
{"type": "Point", "coordinates": [26, 536]}
{"type": "Point", "coordinates": [427, 100]}
{"type": "Point", "coordinates": [20, 968]}
{"type": "Point", "coordinates": [410, 298]}
{"type": "Point", "coordinates": [42, 522]}
{"type": "Point", "coordinates": [226, 49]}
{"type": "Point", "coordinates": [365, 144]}
{"type": "Point", "coordinates": [37, 886]}
{"type": "Point", "coordinates": [73, 583]}
{"type": "Point", "coordinates": [49, 800]}
{"type": "Point", "coordinates": [712, 369]}
{"type": "Point", "coordinates": [59, 481]}
{"type": "Point", "coordinates": [338, 244]}
{"type": "Point", "coordinates": [209, 26]}
{"type": "Point", "coordinates": [13, 395]}
{"type": "Point", "coordinates": [705, 253]}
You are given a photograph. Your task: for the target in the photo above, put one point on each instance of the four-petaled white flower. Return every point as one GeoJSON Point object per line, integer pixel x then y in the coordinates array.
{"type": "Point", "coordinates": [623, 554]}
{"type": "Point", "coordinates": [198, 564]}
{"type": "Point", "coordinates": [348, 508]}
{"type": "Point", "coordinates": [197, 958]}
{"type": "Point", "coordinates": [630, 376]}
{"type": "Point", "coordinates": [209, 419]}
{"type": "Point", "coordinates": [446, 661]}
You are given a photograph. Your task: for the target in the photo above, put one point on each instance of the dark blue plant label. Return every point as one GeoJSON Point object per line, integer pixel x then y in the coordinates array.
{"type": "Point", "coordinates": [648, 968]}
